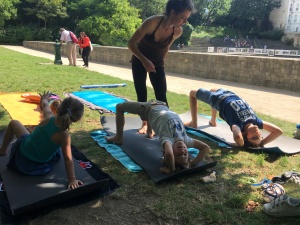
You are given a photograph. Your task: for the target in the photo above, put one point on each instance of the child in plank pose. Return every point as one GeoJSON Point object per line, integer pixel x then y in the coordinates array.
{"type": "Point", "coordinates": [36, 153]}
{"type": "Point", "coordinates": [242, 120]}
{"type": "Point", "coordinates": [170, 129]}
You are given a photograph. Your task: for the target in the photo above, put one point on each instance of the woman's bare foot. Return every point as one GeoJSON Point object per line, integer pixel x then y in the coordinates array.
{"type": "Point", "coordinates": [213, 123]}
{"type": "Point", "coordinates": [114, 139]}
{"type": "Point", "coordinates": [191, 124]}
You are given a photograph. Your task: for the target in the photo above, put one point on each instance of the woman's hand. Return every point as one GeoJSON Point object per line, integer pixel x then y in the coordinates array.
{"type": "Point", "coordinates": [149, 66]}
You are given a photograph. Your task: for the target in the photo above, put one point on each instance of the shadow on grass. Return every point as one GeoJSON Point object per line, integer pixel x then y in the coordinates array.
{"type": "Point", "coordinates": [222, 202]}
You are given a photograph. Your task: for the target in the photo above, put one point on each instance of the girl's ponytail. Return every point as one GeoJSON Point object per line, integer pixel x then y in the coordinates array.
{"type": "Point", "coordinates": [70, 110]}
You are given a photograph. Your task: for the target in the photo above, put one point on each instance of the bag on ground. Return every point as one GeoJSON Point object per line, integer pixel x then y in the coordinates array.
{"type": "Point", "coordinates": [91, 46]}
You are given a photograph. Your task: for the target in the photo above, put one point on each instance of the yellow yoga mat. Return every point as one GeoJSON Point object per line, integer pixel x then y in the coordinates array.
{"type": "Point", "coordinates": [19, 109]}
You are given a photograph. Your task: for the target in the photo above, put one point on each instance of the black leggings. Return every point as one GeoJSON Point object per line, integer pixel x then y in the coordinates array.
{"type": "Point", "coordinates": [85, 55]}
{"type": "Point", "coordinates": [158, 81]}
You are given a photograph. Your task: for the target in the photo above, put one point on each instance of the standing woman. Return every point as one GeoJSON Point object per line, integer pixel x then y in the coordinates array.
{"type": "Point", "coordinates": [150, 45]}
{"type": "Point", "coordinates": [86, 48]}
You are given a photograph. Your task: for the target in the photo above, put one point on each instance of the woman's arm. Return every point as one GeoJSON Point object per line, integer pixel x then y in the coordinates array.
{"type": "Point", "coordinates": [203, 151]}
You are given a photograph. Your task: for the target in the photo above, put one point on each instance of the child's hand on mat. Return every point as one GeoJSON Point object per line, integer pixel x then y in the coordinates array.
{"type": "Point", "coordinates": [74, 183]}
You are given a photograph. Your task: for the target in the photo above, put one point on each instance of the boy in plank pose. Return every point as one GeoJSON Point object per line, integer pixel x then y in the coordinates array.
{"type": "Point", "coordinates": [242, 120]}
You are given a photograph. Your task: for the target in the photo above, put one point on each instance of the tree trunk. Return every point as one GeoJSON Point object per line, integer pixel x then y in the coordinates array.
{"type": "Point", "coordinates": [258, 23]}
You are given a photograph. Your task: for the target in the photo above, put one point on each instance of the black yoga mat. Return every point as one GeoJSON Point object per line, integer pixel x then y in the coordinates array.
{"type": "Point", "coordinates": [144, 151]}
{"type": "Point", "coordinates": [26, 194]}
{"type": "Point", "coordinates": [222, 133]}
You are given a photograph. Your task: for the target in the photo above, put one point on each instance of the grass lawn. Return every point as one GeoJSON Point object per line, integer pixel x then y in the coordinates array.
{"type": "Point", "coordinates": [181, 201]}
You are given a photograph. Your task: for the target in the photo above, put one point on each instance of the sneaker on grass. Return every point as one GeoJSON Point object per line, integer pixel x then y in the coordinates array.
{"type": "Point", "coordinates": [283, 206]}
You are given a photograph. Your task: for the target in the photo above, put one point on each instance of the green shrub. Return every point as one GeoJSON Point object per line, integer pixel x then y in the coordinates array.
{"type": "Point", "coordinates": [44, 34]}
{"type": "Point", "coordinates": [275, 34]}
{"type": "Point", "coordinates": [15, 35]}
{"type": "Point", "coordinates": [213, 32]}
{"type": "Point", "coordinates": [289, 41]}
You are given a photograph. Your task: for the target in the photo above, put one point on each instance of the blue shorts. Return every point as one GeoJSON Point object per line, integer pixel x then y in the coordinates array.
{"type": "Point", "coordinates": [213, 98]}
{"type": "Point", "coordinates": [26, 166]}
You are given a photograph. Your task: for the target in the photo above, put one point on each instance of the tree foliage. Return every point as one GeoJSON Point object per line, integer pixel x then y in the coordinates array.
{"type": "Point", "coordinates": [253, 10]}
{"type": "Point", "coordinates": [148, 8]}
{"type": "Point", "coordinates": [112, 21]}
{"type": "Point", "coordinates": [8, 10]}
{"type": "Point", "coordinates": [216, 8]}
{"type": "Point", "coordinates": [46, 9]}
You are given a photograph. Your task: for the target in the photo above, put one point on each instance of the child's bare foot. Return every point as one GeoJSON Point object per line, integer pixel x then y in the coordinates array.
{"type": "Point", "coordinates": [213, 123]}
{"type": "Point", "coordinates": [114, 139]}
{"type": "Point", "coordinates": [150, 134]}
{"type": "Point", "coordinates": [191, 124]}
{"type": "Point", "coordinates": [143, 129]}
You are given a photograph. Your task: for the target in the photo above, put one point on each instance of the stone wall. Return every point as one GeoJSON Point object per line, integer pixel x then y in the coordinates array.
{"type": "Point", "coordinates": [274, 72]}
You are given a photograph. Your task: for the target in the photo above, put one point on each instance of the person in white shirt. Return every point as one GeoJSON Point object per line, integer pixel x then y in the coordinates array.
{"type": "Point", "coordinates": [71, 46]}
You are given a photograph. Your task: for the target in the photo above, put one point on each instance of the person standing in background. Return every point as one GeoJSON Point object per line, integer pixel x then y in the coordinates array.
{"type": "Point", "coordinates": [86, 48]}
{"type": "Point", "coordinates": [80, 42]}
{"type": "Point", "coordinates": [150, 45]}
{"type": "Point", "coordinates": [71, 46]}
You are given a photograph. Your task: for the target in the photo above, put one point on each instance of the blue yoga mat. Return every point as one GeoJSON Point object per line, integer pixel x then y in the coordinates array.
{"type": "Point", "coordinates": [103, 86]}
{"type": "Point", "coordinates": [102, 101]}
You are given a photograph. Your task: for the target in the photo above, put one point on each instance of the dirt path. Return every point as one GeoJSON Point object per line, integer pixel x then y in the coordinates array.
{"type": "Point", "coordinates": [278, 103]}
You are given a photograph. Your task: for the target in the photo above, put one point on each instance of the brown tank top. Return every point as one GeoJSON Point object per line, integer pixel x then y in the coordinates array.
{"type": "Point", "coordinates": [153, 50]}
